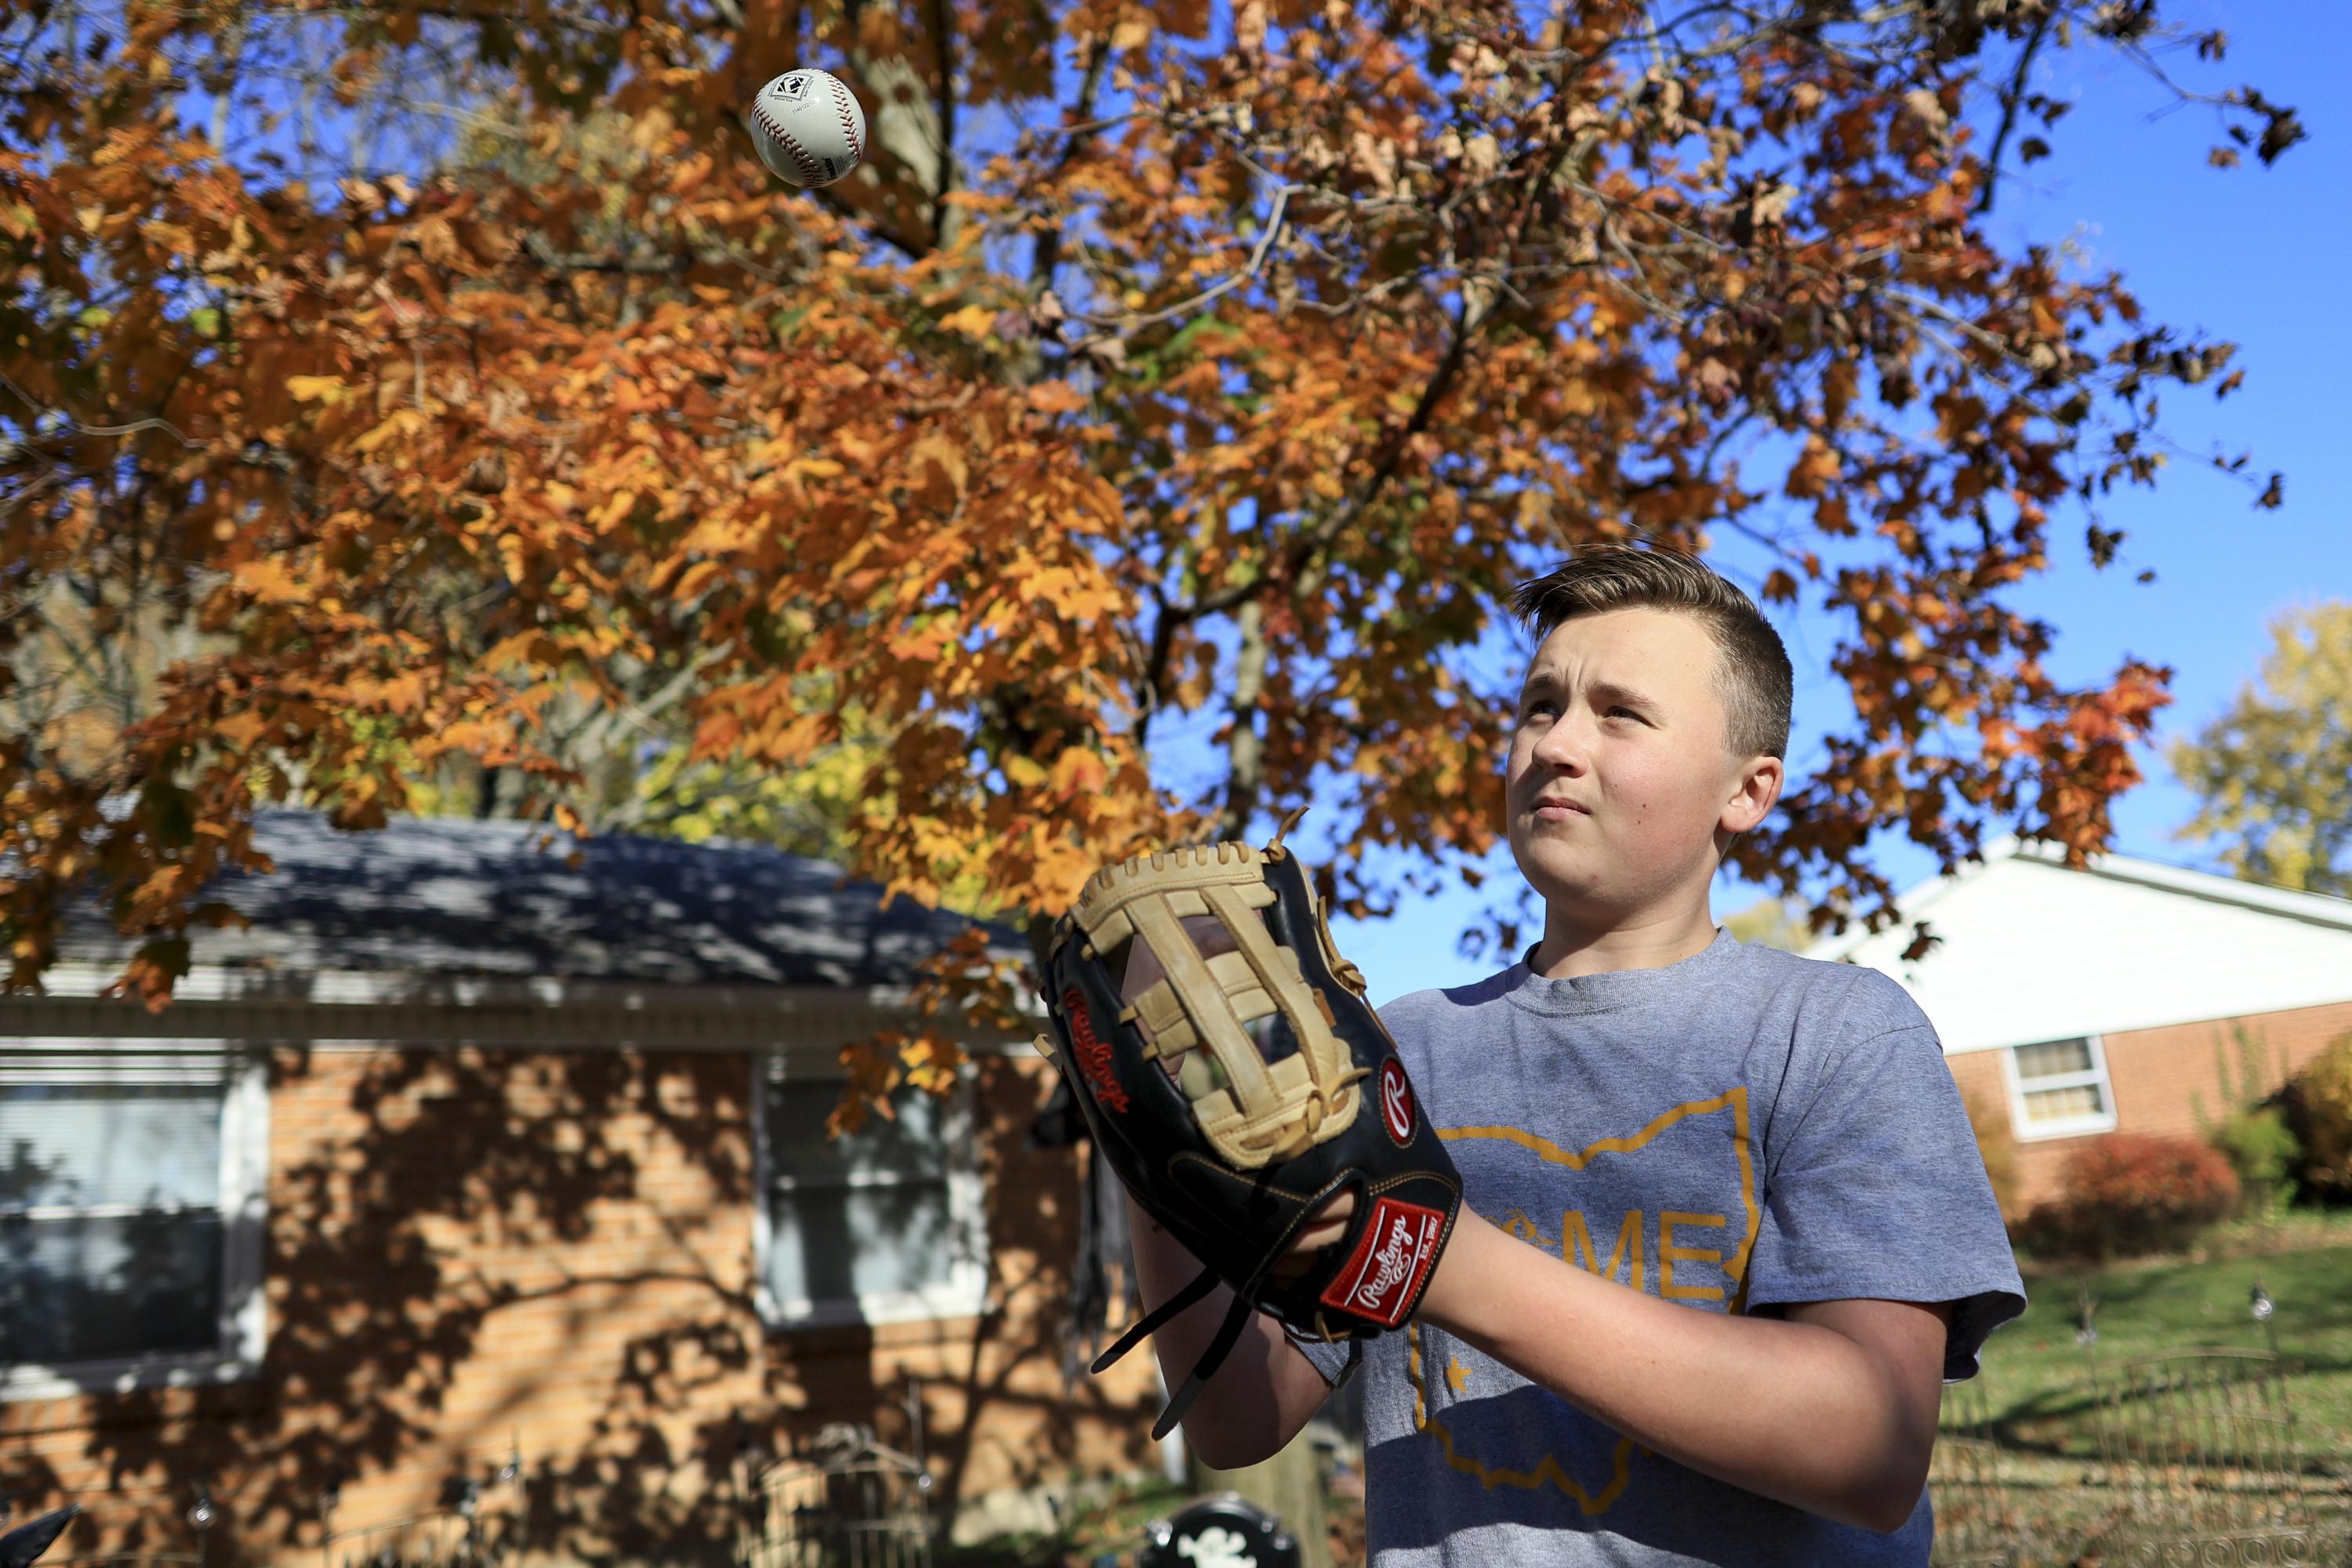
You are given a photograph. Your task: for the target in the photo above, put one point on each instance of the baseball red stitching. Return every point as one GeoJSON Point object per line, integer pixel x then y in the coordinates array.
{"type": "Point", "coordinates": [842, 104]}
{"type": "Point", "coordinates": [811, 169]}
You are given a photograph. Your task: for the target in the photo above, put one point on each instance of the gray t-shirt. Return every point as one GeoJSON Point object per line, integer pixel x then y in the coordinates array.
{"type": "Point", "coordinates": [1736, 1132]}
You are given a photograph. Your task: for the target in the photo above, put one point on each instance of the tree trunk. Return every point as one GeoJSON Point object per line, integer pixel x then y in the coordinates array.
{"type": "Point", "coordinates": [1290, 1485]}
{"type": "Point", "coordinates": [1245, 748]}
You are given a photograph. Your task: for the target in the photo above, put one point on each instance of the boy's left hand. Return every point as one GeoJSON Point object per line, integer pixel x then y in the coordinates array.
{"type": "Point", "coordinates": [1327, 1225]}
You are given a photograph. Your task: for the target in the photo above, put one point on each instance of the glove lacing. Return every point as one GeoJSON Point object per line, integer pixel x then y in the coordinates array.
{"type": "Point", "coordinates": [1229, 1333]}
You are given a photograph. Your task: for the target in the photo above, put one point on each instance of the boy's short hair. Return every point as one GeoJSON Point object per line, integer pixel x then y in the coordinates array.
{"type": "Point", "coordinates": [1753, 673]}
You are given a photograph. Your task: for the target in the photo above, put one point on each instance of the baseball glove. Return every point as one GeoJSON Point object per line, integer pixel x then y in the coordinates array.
{"type": "Point", "coordinates": [1229, 1070]}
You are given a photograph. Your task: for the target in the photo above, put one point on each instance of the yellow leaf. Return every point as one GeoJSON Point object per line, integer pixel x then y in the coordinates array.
{"type": "Point", "coordinates": [1056, 398]}
{"type": "Point", "coordinates": [405, 693]}
{"type": "Point", "coordinates": [976, 321]}
{"type": "Point", "coordinates": [403, 422]}
{"type": "Point", "coordinates": [238, 732]}
{"type": "Point", "coordinates": [615, 509]}
{"type": "Point", "coordinates": [269, 581]}
{"type": "Point", "coordinates": [1077, 772]}
{"type": "Point", "coordinates": [327, 389]}
{"type": "Point", "coordinates": [437, 239]}
{"type": "Point", "coordinates": [938, 451]}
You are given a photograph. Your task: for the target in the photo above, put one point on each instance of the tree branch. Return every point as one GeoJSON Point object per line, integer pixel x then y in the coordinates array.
{"type": "Point", "coordinates": [1128, 322]}
{"type": "Point", "coordinates": [1075, 128]}
{"type": "Point", "coordinates": [2011, 99]}
{"type": "Point", "coordinates": [945, 220]}
{"type": "Point", "coordinates": [1309, 542]}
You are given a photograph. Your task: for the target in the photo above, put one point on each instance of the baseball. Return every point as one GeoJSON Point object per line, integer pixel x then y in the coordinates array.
{"type": "Point", "coordinates": [808, 128]}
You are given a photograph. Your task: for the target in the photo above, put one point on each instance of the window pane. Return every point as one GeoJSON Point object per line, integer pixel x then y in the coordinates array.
{"type": "Point", "coordinates": [2064, 1104]}
{"type": "Point", "coordinates": [910, 1144]}
{"type": "Point", "coordinates": [80, 1145]}
{"type": "Point", "coordinates": [93, 1290]}
{"type": "Point", "coordinates": [2051, 1058]}
{"type": "Point", "coordinates": [834, 1243]}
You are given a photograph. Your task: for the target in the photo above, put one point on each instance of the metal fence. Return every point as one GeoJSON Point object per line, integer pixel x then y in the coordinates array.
{"type": "Point", "coordinates": [2195, 1461]}
{"type": "Point", "coordinates": [861, 1507]}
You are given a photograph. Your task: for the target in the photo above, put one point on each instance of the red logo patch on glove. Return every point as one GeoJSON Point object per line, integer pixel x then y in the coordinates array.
{"type": "Point", "coordinates": [1384, 1272]}
{"type": "Point", "coordinates": [1094, 1056]}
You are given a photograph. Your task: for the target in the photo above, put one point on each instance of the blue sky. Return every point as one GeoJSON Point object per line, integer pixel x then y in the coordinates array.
{"type": "Point", "coordinates": [2251, 255]}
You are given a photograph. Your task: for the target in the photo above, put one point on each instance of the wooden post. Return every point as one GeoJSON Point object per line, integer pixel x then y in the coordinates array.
{"type": "Point", "coordinates": [1290, 1487]}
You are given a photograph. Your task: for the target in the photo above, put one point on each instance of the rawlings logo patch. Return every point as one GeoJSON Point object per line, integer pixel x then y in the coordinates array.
{"type": "Point", "coordinates": [1384, 1272]}
{"type": "Point", "coordinates": [1094, 1056]}
{"type": "Point", "coordinates": [1396, 1101]}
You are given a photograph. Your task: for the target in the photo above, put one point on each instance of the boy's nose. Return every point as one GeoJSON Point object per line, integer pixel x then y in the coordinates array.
{"type": "Point", "coordinates": [1562, 748]}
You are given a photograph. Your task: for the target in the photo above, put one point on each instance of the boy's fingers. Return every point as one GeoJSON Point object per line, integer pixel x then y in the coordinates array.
{"type": "Point", "coordinates": [1331, 1223]}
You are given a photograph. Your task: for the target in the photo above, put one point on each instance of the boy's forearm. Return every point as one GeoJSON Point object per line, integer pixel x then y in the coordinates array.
{"type": "Point", "coordinates": [1793, 1410]}
{"type": "Point", "coordinates": [1258, 1399]}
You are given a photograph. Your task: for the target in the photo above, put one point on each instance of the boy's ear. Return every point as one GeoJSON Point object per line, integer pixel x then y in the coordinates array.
{"type": "Point", "coordinates": [1758, 787]}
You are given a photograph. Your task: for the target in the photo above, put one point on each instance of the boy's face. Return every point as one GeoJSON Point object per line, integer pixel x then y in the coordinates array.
{"type": "Point", "coordinates": [1621, 768]}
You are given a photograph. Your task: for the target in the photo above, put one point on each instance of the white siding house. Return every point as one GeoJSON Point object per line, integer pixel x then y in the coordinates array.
{"type": "Point", "coordinates": [2076, 1003]}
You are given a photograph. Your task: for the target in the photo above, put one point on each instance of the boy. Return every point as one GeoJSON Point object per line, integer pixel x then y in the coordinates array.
{"type": "Point", "coordinates": [1768, 1150]}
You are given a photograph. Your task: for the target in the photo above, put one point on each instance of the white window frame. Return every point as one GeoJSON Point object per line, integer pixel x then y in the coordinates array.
{"type": "Point", "coordinates": [2075, 1126]}
{"type": "Point", "coordinates": [961, 1295]}
{"type": "Point", "coordinates": [244, 1204]}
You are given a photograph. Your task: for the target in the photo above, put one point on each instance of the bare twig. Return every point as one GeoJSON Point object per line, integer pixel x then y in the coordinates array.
{"type": "Point", "coordinates": [2012, 98]}
{"type": "Point", "coordinates": [1221, 287]}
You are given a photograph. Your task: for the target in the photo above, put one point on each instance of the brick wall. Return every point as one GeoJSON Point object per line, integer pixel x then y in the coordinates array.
{"type": "Point", "coordinates": [1985, 1093]}
{"type": "Point", "coordinates": [2159, 1077]}
{"type": "Point", "coordinates": [473, 1252]}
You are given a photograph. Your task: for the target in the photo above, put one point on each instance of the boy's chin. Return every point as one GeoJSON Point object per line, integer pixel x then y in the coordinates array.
{"type": "Point", "coordinates": [1565, 880]}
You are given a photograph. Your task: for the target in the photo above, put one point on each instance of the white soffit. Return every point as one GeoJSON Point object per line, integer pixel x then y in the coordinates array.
{"type": "Point", "coordinates": [2030, 951]}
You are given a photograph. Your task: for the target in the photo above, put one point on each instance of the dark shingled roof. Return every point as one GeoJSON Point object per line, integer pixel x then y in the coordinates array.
{"type": "Point", "coordinates": [454, 896]}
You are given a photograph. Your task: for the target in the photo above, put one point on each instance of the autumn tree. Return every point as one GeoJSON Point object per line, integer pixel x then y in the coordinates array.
{"type": "Point", "coordinates": [2273, 773]}
{"type": "Point", "coordinates": [1229, 394]}
{"type": "Point", "coordinates": [1770, 923]}
{"type": "Point", "coordinates": [397, 395]}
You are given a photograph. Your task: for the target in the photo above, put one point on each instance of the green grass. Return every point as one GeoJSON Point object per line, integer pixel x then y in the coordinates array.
{"type": "Point", "coordinates": [2032, 1395]}
{"type": "Point", "coordinates": [2035, 1378]}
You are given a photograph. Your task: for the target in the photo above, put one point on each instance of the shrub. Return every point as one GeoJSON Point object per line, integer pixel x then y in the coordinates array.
{"type": "Point", "coordinates": [2129, 1194]}
{"type": "Point", "coordinates": [2263, 1152]}
{"type": "Point", "coordinates": [2251, 1133]}
{"type": "Point", "coordinates": [2319, 1113]}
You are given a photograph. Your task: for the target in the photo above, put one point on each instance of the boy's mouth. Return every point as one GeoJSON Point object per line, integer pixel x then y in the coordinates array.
{"type": "Point", "coordinates": [1549, 809]}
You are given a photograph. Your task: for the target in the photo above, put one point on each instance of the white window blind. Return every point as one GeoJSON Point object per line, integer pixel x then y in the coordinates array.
{"type": "Point", "coordinates": [2062, 1088]}
{"type": "Point", "coordinates": [111, 1238]}
{"type": "Point", "coordinates": [876, 1222]}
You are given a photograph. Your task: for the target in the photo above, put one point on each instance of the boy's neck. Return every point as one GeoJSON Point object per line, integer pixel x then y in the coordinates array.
{"type": "Point", "coordinates": [1569, 952]}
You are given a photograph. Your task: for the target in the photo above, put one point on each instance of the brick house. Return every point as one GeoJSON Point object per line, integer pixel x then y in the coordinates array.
{"type": "Point", "coordinates": [2076, 1004]}
{"type": "Point", "coordinates": [474, 1151]}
